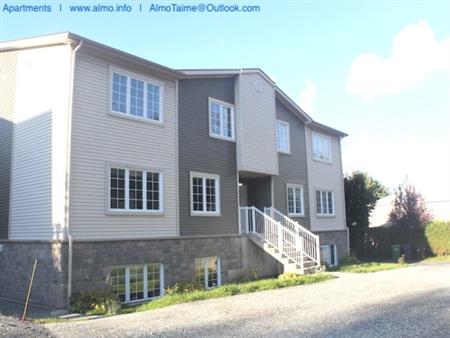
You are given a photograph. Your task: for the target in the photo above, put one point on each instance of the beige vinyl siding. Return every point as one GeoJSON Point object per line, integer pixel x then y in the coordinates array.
{"type": "Point", "coordinates": [39, 143]}
{"type": "Point", "coordinates": [328, 177]}
{"type": "Point", "coordinates": [255, 121]}
{"type": "Point", "coordinates": [100, 139]}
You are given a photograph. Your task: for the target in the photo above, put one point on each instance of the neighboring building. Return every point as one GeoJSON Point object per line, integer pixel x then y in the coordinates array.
{"type": "Point", "coordinates": [121, 173]}
{"type": "Point", "coordinates": [439, 209]}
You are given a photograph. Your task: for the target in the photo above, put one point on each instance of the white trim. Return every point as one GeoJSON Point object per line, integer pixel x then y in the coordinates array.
{"type": "Point", "coordinates": [147, 80]}
{"type": "Point", "coordinates": [216, 177]}
{"type": "Point", "coordinates": [327, 138]}
{"type": "Point", "coordinates": [288, 137]}
{"type": "Point", "coordinates": [226, 105]}
{"type": "Point", "coordinates": [295, 186]}
{"type": "Point", "coordinates": [127, 210]}
{"type": "Point", "coordinates": [322, 214]}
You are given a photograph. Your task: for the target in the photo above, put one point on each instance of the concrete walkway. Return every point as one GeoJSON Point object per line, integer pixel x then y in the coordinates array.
{"type": "Point", "coordinates": [407, 302]}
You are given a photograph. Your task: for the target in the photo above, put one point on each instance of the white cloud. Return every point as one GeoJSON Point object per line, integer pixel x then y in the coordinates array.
{"type": "Point", "coordinates": [307, 97]}
{"type": "Point", "coordinates": [416, 53]}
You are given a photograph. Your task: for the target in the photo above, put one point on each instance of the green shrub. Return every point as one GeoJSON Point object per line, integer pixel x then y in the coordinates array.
{"type": "Point", "coordinates": [178, 288]}
{"type": "Point", "coordinates": [349, 260]}
{"type": "Point", "coordinates": [438, 237]}
{"type": "Point", "coordinates": [95, 303]}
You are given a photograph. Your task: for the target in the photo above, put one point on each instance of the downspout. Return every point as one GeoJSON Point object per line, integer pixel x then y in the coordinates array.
{"type": "Point", "coordinates": [68, 164]}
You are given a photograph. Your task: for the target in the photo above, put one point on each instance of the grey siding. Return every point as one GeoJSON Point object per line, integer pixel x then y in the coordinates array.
{"type": "Point", "coordinates": [200, 152]}
{"type": "Point", "coordinates": [8, 62]}
{"type": "Point", "coordinates": [293, 166]}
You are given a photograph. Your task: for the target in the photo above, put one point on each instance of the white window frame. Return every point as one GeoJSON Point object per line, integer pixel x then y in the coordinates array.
{"type": "Point", "coordinates": [204, 176]}
{"type": "Point", "coordinates": [146, 80]}
{"type": "Point", "coordinates": [328, 254]}
{"type": "Point", "coordinates": [295, 186]}
{"type": "Point", "coordinates": [205, 261]}
{"type": "Point", "coordinates": [226, 105]}
{"type": "Point", "coordinates": [321, 137]}
{"type": "Point", "coordinates": [145, 281]}
{"type": "Point", "coordinates": [321, 213]}
{"type": "Point", "coordinates": [286, 124]}
{"type": "Point", "coordinates": [127, 209]}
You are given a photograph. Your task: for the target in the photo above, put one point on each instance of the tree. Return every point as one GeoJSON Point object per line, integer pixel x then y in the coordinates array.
{"type": "Point", "coordinates": [361, 194]}
{"type": "Point", "coordinates": [409, 215]}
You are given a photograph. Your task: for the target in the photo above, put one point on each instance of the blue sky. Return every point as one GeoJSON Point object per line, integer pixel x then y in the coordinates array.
{"type": "Point", "coordinates": [377, 70]}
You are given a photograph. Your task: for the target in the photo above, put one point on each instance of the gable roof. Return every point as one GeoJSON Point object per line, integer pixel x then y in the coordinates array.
{"type": "Point", "coordinates": [74, 39]}
{"type": "Point", "coordinates": [279, 94]}
{"type": "Point", "coordinates": [68, 38]}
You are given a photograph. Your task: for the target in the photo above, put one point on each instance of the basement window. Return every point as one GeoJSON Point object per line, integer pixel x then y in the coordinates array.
{"type": "Point", "coordinates": [207, 272]}
{"type": "Point", "coordinates": [138, 282]}
{"type": "Point", "coordinates": [328, 254]}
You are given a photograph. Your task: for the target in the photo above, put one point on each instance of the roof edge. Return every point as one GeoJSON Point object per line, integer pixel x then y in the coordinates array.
{"type": "Point", "coordinates": [327, 129]}
{"type": "Point", "coordinates": [71, 38]}
{"type": "Point", "coordinates": [203, 73]}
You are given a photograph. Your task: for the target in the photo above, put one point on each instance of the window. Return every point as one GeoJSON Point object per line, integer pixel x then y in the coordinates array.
{"type": "Point", "coordinates": [328, 254]}
{"type": "Point", "coordinates": [137, 282]}
{"type": "Point", "coordinates": [207, 272]}
{"type": "Point", "coordinates": [283, 142]}
{"type": "Point", "coordinates": [205, 194]}
{"type": "Point", "coordinates": [295, 200]}
{"type": "Point", "coordinates": [136, 97]}
{"type": "Point", "coordinates": [135, 190]}
{"type": "Point", "coordinates": [221, 119]}
{"type": "Point", "coordinates": [321, 147]}
{"type": "Point", "coordinates": [325, 203]}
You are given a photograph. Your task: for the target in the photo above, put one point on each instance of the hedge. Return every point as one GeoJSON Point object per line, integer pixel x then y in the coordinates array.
{"type": "Point", "coordinates": [438, 237]}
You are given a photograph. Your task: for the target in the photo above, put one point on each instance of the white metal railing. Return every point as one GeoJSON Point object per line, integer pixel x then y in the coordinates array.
{"type": "Point", "coordinates": [288, 242]}
{"type": "Point", "coordinates": [311, 243]}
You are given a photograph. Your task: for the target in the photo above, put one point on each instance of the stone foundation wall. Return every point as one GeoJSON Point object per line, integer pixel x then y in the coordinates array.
{"type": "Point", "coordinates": [339, 238]}
{"type": "Point", "coordinates": [50, 282]}
{"type": "Point", "coordinates": [93, 262]}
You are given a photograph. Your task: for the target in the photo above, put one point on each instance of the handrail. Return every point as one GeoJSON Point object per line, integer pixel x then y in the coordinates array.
{"type": "Point", "coordinates": [287, 239]}
{"type": "Point", "coordinates": [289, 220]}
{"type": "Point", "coordinates": [311, 240]}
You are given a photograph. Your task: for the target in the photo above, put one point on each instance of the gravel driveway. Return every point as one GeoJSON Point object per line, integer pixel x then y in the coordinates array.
{"type": "Point", "coordinates": [408, 302]}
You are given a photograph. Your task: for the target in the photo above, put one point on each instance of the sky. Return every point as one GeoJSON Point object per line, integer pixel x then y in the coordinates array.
{"type": "Point", "coordinates": [377, 70]}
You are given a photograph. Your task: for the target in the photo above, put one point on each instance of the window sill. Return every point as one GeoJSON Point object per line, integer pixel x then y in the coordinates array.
{"type": "Point", "coordinates": [134, 213]}
{"type": "Point", "coordinates": [205, 214]}
{"type": "Point", "coordinates": [284, 152]}
{"type": "Point", "coordinates": [325, 216]}
{"type": "Point", "coordinates": [322, 161]}
{"type": "Point", "coordinates": [296, 215]}
{"type": "Point", "coordinates": [136, 119]}
{"type": "Point", "coordinates": [223, 138]}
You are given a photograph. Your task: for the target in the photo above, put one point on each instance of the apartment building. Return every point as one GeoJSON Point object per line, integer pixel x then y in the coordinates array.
{"type": "Point", "coordinates": [119, 173]}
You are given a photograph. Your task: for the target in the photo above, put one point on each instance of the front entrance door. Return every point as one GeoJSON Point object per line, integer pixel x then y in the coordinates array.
{"type": "Point", "coordinates": [243, 195]}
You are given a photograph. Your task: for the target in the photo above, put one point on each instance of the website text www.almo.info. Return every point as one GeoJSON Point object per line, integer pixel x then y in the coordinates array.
{"type": "Point", "coordinates": [130, 8]}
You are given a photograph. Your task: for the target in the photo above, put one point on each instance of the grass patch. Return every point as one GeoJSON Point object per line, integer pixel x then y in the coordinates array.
{"type": "Point", "coordinates": [228, 290]}
{"type": "Point", "coordinates": [437, 259]}
{"type": "Point", "coordinates": [367, 267]}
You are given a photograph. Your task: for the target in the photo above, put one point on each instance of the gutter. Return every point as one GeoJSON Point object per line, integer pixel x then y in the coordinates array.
{"type": "Point", "coordinates": [68, 164]}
